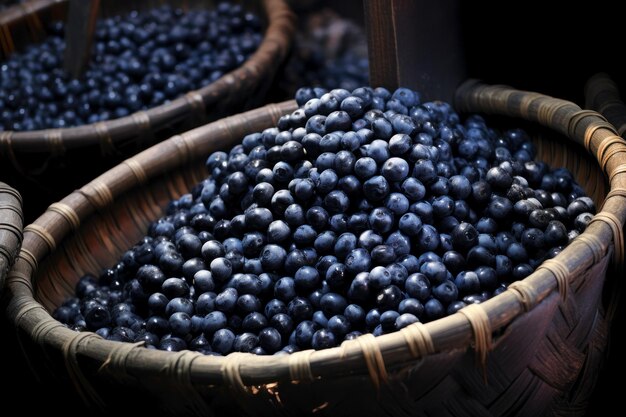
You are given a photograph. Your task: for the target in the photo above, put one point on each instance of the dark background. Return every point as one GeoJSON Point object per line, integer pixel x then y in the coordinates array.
{"type": "Point", "coordinates": [523, 44]}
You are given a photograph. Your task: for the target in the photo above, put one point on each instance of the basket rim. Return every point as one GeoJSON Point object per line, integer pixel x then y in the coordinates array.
{"type": "Point", "coordinates": [11, 233]}
{"type": "Point", "coordinates": [273, 48]}
{"type": "Point", "coordinates": [475, 323]}
{"type": "Point", "coordinates": [602, 95]}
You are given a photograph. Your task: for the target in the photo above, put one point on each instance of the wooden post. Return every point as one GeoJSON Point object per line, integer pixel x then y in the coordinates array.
{"type": "Point", "coordinates": [79, 28]}
{"type": "Point", "coordinates": [415, 44]}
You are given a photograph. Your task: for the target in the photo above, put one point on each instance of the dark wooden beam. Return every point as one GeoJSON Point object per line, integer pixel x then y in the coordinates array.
{"type": "Point", "coordinates": [79, 28]}
{"type": "Point", "coordinates": [415, 44]}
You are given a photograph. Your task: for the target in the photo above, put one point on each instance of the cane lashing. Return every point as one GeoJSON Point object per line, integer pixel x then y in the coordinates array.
{"type": "Point", "coordinates": [300, 366]}
{"type": "Point", "coordinates": [67, 212]}
{"type": "Point", "coordinates": [604, 153]}
{"type": "Point", "coordinates": [595, 246]}
{"type": "Point", "coordinates": [79, 380]}
{"type": "Point", "coordinates": [418, 340]}
{"type": "Point", "coordinates": [29, 258]}
{"type": "Point", "coordinates": [43, 234]}
{"type": "Point", "coordinates": [373, 359]}
{"type": "Point", "coordinates": [578, 117]}
{"type": "Point", "coordinates": [560, 271]}
{"type": "Point", "coordinates": [592, 129]}
{"type": "Point", "coordinates": [105, 141]}
{"type": "Point", "coordinates": [618, 234]}
{"type": "Point", "coordinates": [525, 293]}
{"type": "Point", "coordinates": [137, 170]}
{"type": "Point", "coordinates": [481, 328]}
{"type": "Point", "coordinates": [231, 372]}
{"type": "Point", "coordinates": [98, 194]}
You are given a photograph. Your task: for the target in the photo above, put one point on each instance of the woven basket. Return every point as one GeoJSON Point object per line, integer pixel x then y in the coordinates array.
{"type": "Point", "coordinates": [11, 223]}
{"type": "Point", "coordinates": [530, 351]}
{"type": "Point", "coordinates": [53, 159]}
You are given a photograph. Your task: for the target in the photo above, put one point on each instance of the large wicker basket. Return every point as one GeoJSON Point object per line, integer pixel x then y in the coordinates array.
{"type": "Point", "coordinates": [11, 223]}
{"type": "Point", "coordinates": [43, 162]}
{"type": "Point", "coordinates": [532, 350]}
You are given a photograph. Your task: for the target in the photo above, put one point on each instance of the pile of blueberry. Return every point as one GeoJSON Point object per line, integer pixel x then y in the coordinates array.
{"type": "Point", "coordinates": [139, 61]}
{"type": "Point", "coordinates": [361, 211]}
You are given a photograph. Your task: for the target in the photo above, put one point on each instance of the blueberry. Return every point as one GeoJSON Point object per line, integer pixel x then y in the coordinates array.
{"type": "Point", "coordinates": [428, 238]}
{"type": "Point", "coordinates": [258, 218]}
{"type": "Point", "coordinates": [464, 236]}
{"type": "Point", "coordinates": [333, 303]}
{"type": "Point", "coordinates": [317, 217]}
{"type": "Point", "coordinates": [179, 304]}
{"type": "Point", "coordinates": [388, 320]}
{"type": "Point", "coordinates": [389, 298]}
{"type": "Point", "coordinates": [96, 315]}
{"type": "Point", "coordinates": [582, 221]}
{"type": "Point", "coordinates": [283, 323]}
{"type": "Point", "coordinates": [381, 220]}
{"type": "Point", "coordinates": [355, 314]}
{"type": "Point", "coordinates": [379, 278]}
{"type": "Point", "coordinates": [369, 240]}
{"type": "Point", "coordinates": [285, 289]}
{"type": "Point", "coordinates": [223, 341]}
{"type": "Point", "coordinates": [353, 106]}
{"type": "Point", "coordinates": [395, 169]}
{"type": "Point", "coordinates": [180, 324]}
{"type": "Point", "coordinates": [270, 339]}
{"type": "Point", "coordinates": [397, 203]}
{"type": "Point", "coordinates": [555, 233]}
{"type": "Point", "coordinates": [498, 178]}
{"type": "Point", "coordinates": [320, 318]}
{"type": "Point", "coordinates": [433, 309]}
{"type": "Point", "coordinates": [404, 320]}
{"type": "Point", "coordinates": [400, 144]}
{"type": "Point", "coordinates": [418, 286]}
{"type": "Point", "coordinates": [365, 168]}
{"type": "Point", "coordinates": [336, 201]}
{"type": "Point", "coordinates": [336, 275]}
{"type": "Point", "coordinates": [357, 260]}
{"type": "Point", "coordinates": [459, 187]}
{"type": "Point", "coordinates": [306, 278]}
{"type": "Point", "coordinates": [382, 255]}
{"type": "Point", "coordinates": [339, 325]}
{"type": "Point", "coordinates": [221, 269]}
{"type": "Point", "coordinates": [500, 208]}
{"type": "Point", "coordinates": [412, 306]}
{"type": "Point", "coordinates": [172, 344]}
{"type": "Point", "coordinates": [359, 289]}
{"type": "Point", "coordinates": [300, 309]}
{"type": "Point", "coordinates": [150, 276]}
{"type": "Point", "coordinates": [413, 189]}
{"type": "Point", "coordinates": [272, 257]}
{"type": "Point", "coordinates": [424, 170]}
{"type": "Point", "coordinates": [521, 271]}
{"type": "Point", "coordinates": [304, 334]}
{"type": "Point", "coordinates": [226, 300]}
{"type": "Point", "coordinates": [533, 239]}
{"type": "Point", "coordinates": [175, 287]}
{"type": "Point", "coordinates": [376, 188]}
